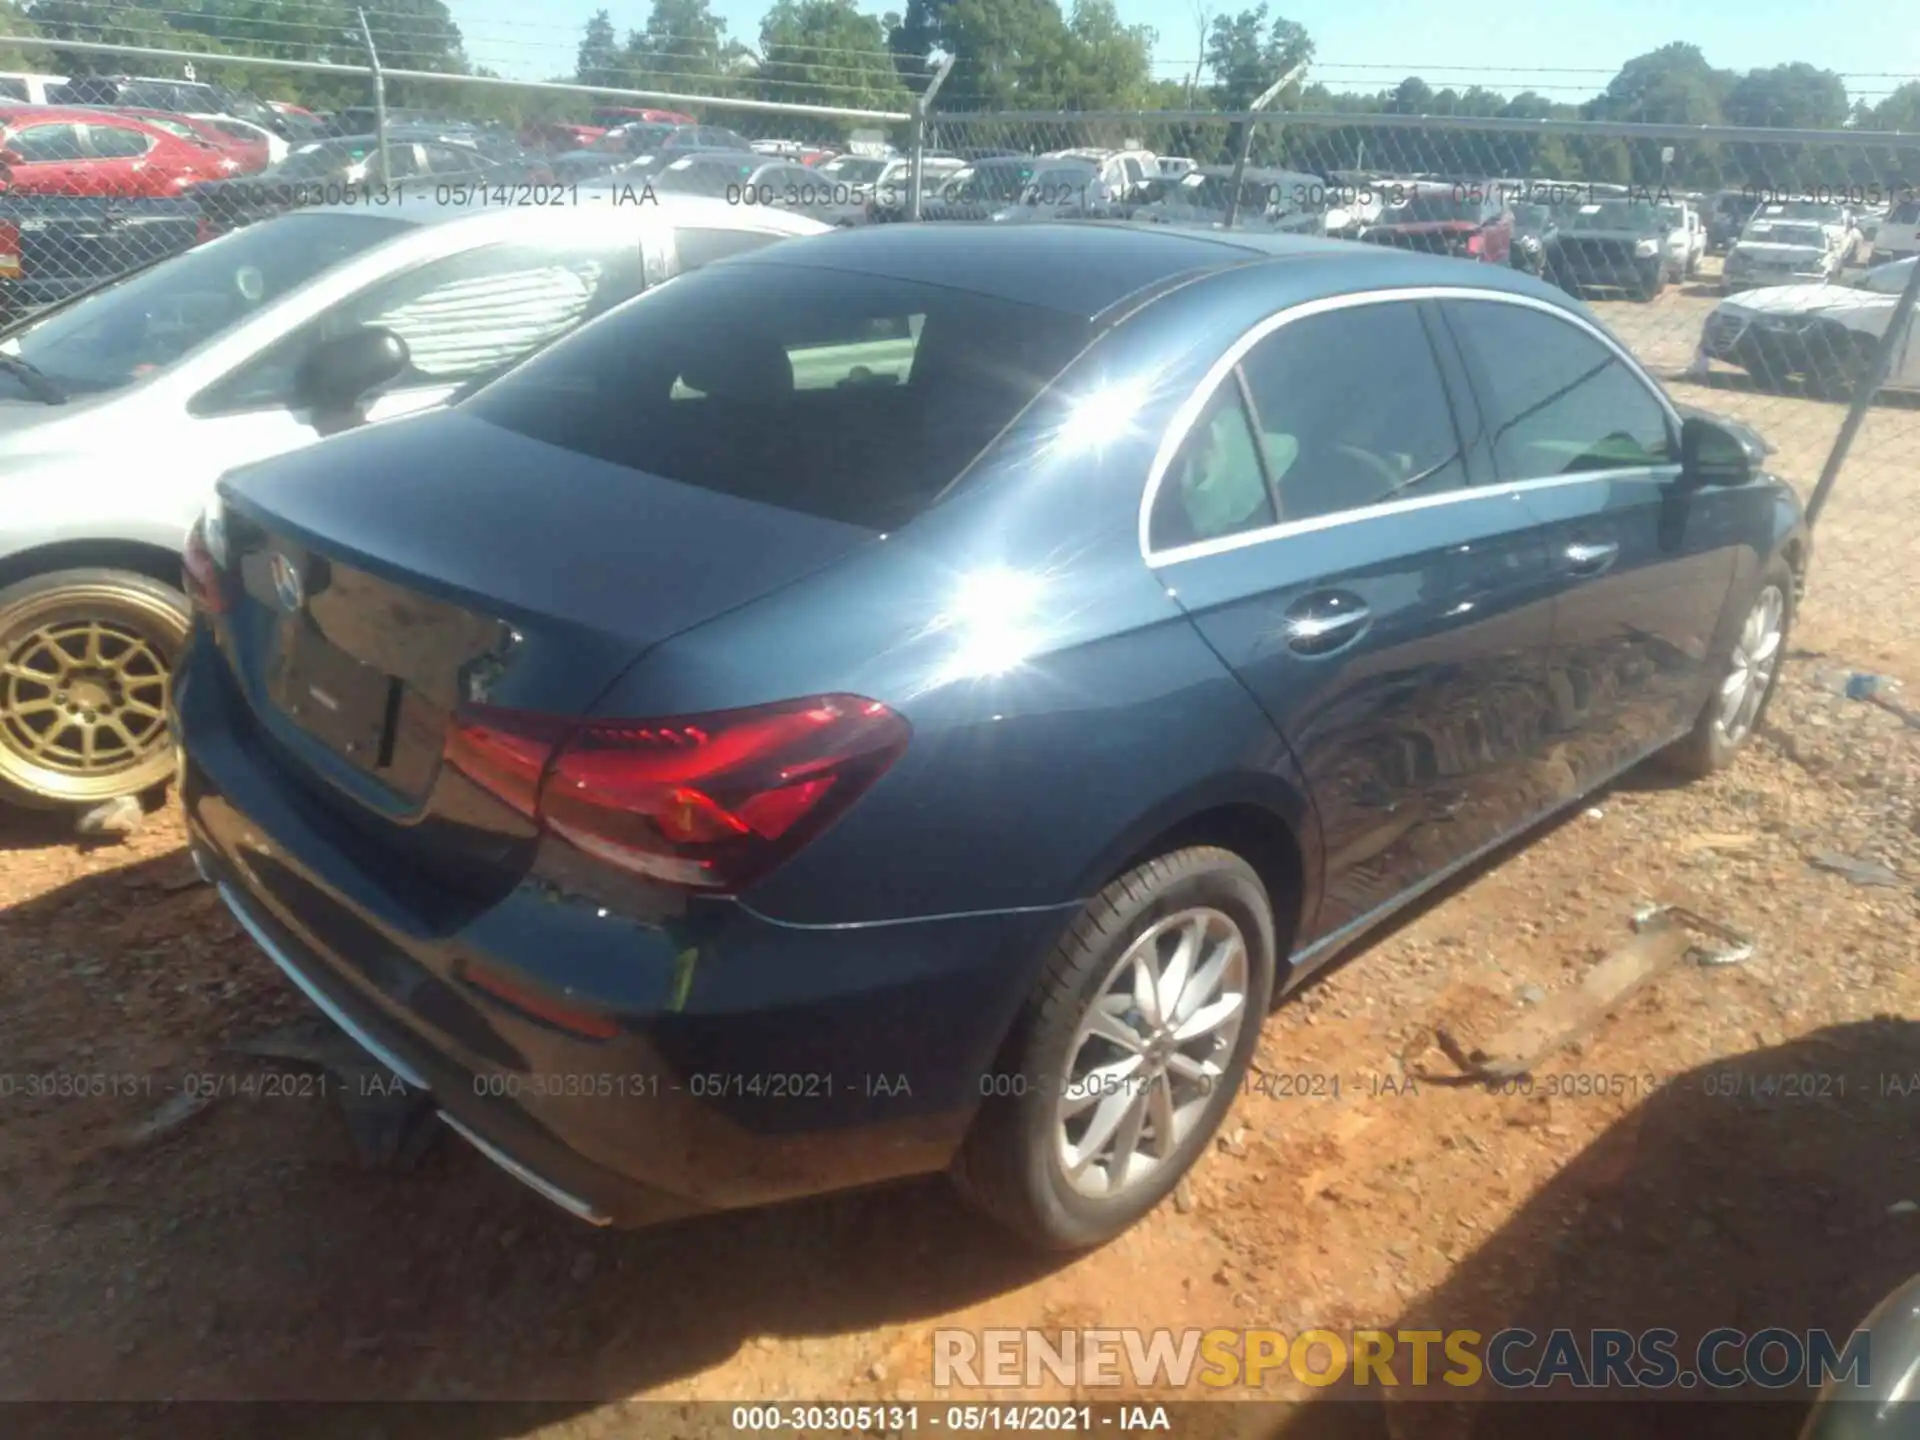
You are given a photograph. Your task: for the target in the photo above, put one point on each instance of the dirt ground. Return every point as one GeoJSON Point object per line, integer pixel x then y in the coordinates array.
{"type": "Point", "coordinates": [240, 1252]}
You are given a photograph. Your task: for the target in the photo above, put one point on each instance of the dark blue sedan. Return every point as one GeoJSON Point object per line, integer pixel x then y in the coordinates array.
{"type": "Point", "coordinates": [910, 700]}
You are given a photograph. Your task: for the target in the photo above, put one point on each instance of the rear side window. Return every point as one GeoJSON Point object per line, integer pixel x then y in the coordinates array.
{"type": "Point", "coordinates": [1215, 486]}
{"type": "Point", "coordinates": [1558, 401]}
{"type": "Point", "coordinates": [110, 142]}
{"type": "Point", "coordinates": [851, 397]}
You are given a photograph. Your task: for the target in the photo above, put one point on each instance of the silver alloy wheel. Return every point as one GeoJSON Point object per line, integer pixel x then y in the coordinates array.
{"type": "Point", "coordinates": [1755, 654]}
{"type": "Point", "coordinates": [1150, 1051]}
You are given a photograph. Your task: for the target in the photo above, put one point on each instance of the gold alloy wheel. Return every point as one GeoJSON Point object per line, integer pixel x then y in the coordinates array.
{"type": "Point", "coordinates": [85, 679]}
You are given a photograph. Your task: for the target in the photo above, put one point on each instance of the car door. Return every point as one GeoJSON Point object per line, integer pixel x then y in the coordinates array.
{"type": "Point", "coordinates": [1642, 562]}
{"type": "Point", "coordinates": [463, 316]}
{"type": "Point", "coordinates": [117, 160]}
{"type": "Point", "coordinates": [1323, 525]}
{"type": "Point", "coordinates": [50, 160]}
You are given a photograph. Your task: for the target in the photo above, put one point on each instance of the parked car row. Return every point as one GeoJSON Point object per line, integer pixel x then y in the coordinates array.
{"type": "Point", "coordinates": [652, 718]}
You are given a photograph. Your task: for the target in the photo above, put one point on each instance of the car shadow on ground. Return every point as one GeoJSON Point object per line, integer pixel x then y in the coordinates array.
{"type": "Point", "coordinates": [1769, 1189]}
{"type": "Point", "coordinates": [243, 1255]}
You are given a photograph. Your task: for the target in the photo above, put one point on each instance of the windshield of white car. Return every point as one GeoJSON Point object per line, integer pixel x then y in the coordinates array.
{"type": "Point", "coordinates": [855, 169]}
{"type": "Point", "coordinates": [720, 176]}
{"type": "Point", "coordinates": [323, 158]}
{"type": "Point", "coordinates": [1614, 215]}
{"type": "Point", "coordinates": [1768, 232]}
{"type": "Point", "coordinates": [148, 321]}
{"type": "Point", "coordinates": [1803, 210]}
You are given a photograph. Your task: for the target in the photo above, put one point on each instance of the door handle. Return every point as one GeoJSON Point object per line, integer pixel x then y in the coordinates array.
{"type": "Point", "coordinates": [1585, 557]}
{"type": "Point", "coordinates": [1322, 624]}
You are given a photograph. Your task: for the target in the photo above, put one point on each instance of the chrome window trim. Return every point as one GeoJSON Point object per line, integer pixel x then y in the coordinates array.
{"type": "Point", "coordinates": [1188, 415]}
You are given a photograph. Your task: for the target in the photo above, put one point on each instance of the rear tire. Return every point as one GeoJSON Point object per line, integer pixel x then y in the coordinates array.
{"type": "Point", "coordinates": [1758, 648]}
{"type": "Point", "coordinates": [86, 668]}
{"type": "Point", "coordinates": [1037, 1158]}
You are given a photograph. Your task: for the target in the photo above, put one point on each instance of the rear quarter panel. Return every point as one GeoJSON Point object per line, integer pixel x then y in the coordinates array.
{"type": "Point", "coordinates": [1050, 741]}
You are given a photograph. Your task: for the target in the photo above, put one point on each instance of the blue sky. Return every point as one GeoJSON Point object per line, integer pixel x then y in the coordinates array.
{"type": "Point", "coordinates": [1567, 51]}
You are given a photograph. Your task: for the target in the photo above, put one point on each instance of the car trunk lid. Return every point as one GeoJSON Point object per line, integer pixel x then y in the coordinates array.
{"type": "Point", "coordinates": [391, 577]}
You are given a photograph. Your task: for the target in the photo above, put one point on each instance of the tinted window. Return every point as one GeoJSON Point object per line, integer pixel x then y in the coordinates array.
{"type": "Point", "coordinates": [1351, 411]}
{"type": "Point", "coordinates": [847, 396]}
{"type": "Point", "coordinates": [13, 89]}
{"type": "Point", "coordinates": [1557, 400]}
{"type": "Point", "coordinates": [467, 315]}
{"type": "Point", "coordinates": [110, 142]}
{"type": "Point", "coordinates": [1215, 485]}
{"type": "Point", "coordinates": [150, 319]}
{"type": "Point", "coordinates": [38, 144]}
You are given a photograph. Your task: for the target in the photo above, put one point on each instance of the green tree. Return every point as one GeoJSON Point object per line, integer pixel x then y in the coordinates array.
{"type": "Point", "coordinates": [1108, 62]}
{"type": "Point", "coordinates": [597, 60]}
{"type": "Point", "coordinates": [684, 47]}
{"type": "Point", "coordinates": [1673, 85]}
{"type": "Point", "coordinates": [826, 52]}
{"type": "Point", "coordinates": [1793, 97]}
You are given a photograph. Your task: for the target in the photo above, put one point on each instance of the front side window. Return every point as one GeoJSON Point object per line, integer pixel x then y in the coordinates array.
{"type": "Point", "coordinates": [110, 142]}
{"type": "Point", "coordinates": [1351, 411]}
{"type": "Point", "coordinates": [464, 316]}
{"type": "Point", "coordinates": [1557, 400]}
{"type": "Point", "coordinates": [152, 318]}
{"type": "Point", "coordinates": [845, 396]}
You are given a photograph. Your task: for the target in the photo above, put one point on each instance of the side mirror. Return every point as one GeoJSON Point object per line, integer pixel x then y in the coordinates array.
{"type": "Point", "coordinates": [1711, 454]}
{"type": "Point", "coordinates": [338, 373]}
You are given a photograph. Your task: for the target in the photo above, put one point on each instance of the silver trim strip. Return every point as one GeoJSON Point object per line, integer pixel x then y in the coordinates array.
{"type": "Point", "coordinates": [313, 992]}
{"type": "Point", "coordinates": [1188, 414]}
{"type": "Point", "coordinates": [572, 1204]}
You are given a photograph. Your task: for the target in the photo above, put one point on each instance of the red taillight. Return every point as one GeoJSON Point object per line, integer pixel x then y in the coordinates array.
{"type": "Point", "coordinates": [1476, 242]}
{"type": "Point", "coordinates": [202, 573]}
{"type": "Point", "coordinates": [708, 801]}
{"type": "Point", "coordinates": [9, 249]}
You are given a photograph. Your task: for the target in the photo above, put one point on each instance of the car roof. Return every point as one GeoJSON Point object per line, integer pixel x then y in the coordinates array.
{"type": "Point", "coordinates": [1080, 267]}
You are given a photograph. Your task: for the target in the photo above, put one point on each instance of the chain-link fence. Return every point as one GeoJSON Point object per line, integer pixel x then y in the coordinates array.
{"type": "Point", "coordinates": [1762, 274]}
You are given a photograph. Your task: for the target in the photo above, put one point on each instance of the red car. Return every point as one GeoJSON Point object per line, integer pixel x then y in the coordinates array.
{"type": "Point", "coordinates": [612, 115]}
{"type": "Point", "coordinates": [1471, 220]}
{"type": "Point", "coordinates": [70, 150]}
{"type": "Point", "coordinates": [555, 136]}
{"type": "Point", "coordinates": [241, 154]}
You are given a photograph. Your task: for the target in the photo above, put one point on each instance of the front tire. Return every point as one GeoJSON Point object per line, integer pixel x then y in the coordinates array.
{"type": "Point", "coordinates": [86, 672]}
{"type": "Point", "coordinates": [1745, 683]}
{"type": "Point", "coordinates": [1130, 1051]}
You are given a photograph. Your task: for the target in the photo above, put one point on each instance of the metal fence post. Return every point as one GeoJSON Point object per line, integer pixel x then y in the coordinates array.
{"type": "Point", "coordinates": [1265, 98]}
{"type": "Point", "coordinates": [922, 107]}
{"type": "Point", "coordinates": [379, 97]}
{"type": "Point", "coordinates": [1897, 328]}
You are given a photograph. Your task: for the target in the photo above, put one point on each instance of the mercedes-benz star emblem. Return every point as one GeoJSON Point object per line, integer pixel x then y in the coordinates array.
{"type": "Point", "coordinates": [286, 583]}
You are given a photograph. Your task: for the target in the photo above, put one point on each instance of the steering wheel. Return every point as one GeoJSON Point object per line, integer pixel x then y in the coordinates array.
{"type": "Point", "coordinates": [1372, 462]}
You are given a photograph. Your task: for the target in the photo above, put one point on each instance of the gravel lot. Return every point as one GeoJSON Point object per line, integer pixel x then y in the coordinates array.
{"type": "Point", "coordinates": [241, 1252]}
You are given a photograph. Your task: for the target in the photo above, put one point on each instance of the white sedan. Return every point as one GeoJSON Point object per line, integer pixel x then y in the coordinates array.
{"type": "Point", "coordinates": [1827, 334]}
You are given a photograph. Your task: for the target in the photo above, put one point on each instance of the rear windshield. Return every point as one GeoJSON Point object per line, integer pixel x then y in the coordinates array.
{"type": "Point", "coordinates": [849, 397]}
